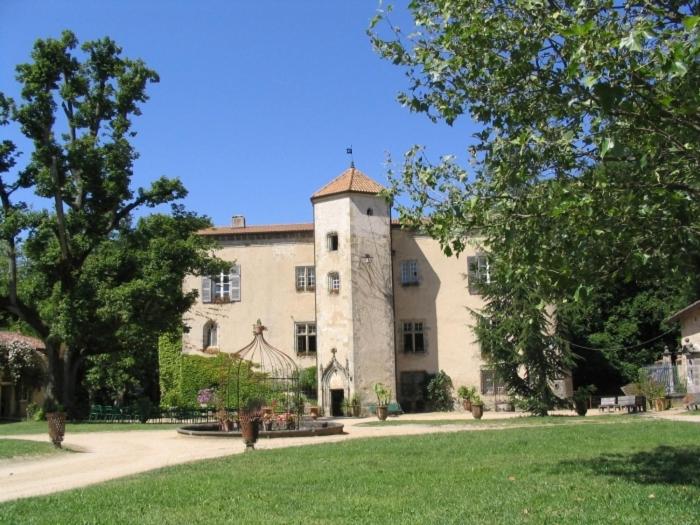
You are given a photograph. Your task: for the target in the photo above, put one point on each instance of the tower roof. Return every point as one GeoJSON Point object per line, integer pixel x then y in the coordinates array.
{"type": "Point", "coordinates": [351, 180]}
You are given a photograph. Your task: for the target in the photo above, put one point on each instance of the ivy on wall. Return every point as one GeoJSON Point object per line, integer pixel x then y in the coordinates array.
{"type": "Point", "coordinates": [182, 376]}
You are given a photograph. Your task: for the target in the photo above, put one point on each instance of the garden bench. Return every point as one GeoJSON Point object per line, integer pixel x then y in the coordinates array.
{"type": "Point", "coordinates": [607, 402]}
{"type": "Point", "coordinates": [692, 401]}
{"type": "Point", "coordinates": [628, 402]}
{"type": "Point", "coordinates": [394, 409]}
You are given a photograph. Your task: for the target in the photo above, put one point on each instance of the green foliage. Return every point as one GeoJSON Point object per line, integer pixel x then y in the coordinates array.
{"type": "Point", "coordinates": [440, 392]}
{"type": "Point", "coordinates": [650, 388]}
{"type": "Point", "coordinates": [383, 394]}
{"type": "Point", "coordinates": [583, 177]}
{"type": "Point", "coordinates": [308, 380]}
{"type": "Point", "coordinates": [16, 448]}
{"type": "Point", "coordinates": [81, 273]}
{"type": "Point", "coordinates": [182, 376]}
{"type": "Point", "coordinates": [466, 393]}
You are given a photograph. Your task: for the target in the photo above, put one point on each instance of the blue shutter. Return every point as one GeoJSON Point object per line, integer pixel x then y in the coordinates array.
{"type": "Point", "coordinates": [235, 283]}
{"type": "Point", "coordinates": [206, 289]}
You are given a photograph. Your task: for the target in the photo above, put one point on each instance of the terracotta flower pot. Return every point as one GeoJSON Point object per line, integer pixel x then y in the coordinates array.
{"type": "Point", "coordinates": [477, 411]}
{"type": "Point", "coordinates": [57, 427]}
{"type": "Point", "coordinates": [249, 430]}
{"type": "Point", "coordinates": [382, 412]}
{"type": "Point", "coordinates": [660, 404]}
{"type": "Point", "coordinates": [313, 412]}
{"type": "Point", "coordinates": [467, 404]}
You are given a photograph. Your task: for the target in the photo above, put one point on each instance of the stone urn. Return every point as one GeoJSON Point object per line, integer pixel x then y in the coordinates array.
{"type": "Point", "coordinates": [467, 404]}
{"type": "Point", "coordinates": [250, 427]}
{"type": "Point", "coordinates": [382, 412]}
{"type": "Point", "coordinates": [477, 410]}
{"type": "Point", "coordinates": [57, 427]}
{"type": "Point", "coordinates": [313, 412]}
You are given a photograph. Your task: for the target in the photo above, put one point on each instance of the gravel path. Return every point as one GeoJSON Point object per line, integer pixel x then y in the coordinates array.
{"type": "Point", "coordinates": [102, 456]}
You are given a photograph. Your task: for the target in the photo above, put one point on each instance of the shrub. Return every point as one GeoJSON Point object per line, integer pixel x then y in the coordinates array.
{"type": "Point", "coordinates": [440, 392]}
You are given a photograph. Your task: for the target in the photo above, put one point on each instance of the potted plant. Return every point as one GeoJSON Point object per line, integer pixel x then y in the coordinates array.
{"type": "Point", "coordinates": [56, 418]}
{"type": "Point", "coordinates": [355, 405]}
{"type": "Point", "coordinates": [581, 398]}
{"type": "Point", "coordinates": [347, 408]}
{"type": "Point", "coordinates": [267, 421]}
{"type": "Point", "coordinates": [250, 421]}
{"type": "Point", "coordinates": [314, 410]}
{"type": "Point", "coordinates": [466, 394]}
{"type": "Point", "coordinates": [653, 390]}
{"type": "Point", "coordinates": [383, 397]}
{"type": "Point", "coordinates": [477, 406]}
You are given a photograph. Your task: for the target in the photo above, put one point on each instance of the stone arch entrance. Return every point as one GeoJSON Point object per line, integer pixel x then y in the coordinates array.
{"type": "Point", "coordinates": [335, 386]}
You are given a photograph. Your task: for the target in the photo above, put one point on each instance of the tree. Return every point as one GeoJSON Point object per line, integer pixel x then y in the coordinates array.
{"type": "Point", "coordinates": [585, 171]}
{"type": "Point", "coordinates": [80, 274]}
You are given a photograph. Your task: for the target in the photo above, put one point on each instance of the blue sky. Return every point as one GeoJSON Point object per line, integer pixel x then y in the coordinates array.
{"type": "Point", "coordinates": [257, 101]}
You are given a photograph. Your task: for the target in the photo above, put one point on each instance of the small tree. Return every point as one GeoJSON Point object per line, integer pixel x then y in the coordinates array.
{"type": "Point", "coordinates": [440, 392]}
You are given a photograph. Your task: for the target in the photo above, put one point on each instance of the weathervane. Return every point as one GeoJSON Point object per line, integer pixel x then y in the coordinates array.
{"type": "Point", "coordinates": [352, 159]}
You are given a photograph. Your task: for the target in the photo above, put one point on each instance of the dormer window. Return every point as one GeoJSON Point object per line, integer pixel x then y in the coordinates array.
{"type": "Point", "coordinates": [332, 242]}
{"type": "Point", "coordinates": [370, 211]}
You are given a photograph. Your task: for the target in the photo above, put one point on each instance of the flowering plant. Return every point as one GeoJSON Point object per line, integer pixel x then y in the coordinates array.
{"type": "Point", "coordinates": [205, 396]}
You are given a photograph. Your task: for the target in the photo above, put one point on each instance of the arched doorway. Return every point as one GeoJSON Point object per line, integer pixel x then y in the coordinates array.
{"type": "Point", "coordinates": [335, 387]}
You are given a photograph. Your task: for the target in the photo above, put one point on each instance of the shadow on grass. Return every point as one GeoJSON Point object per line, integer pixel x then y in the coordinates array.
{"type": "Point", "coordinates": [664, 464]}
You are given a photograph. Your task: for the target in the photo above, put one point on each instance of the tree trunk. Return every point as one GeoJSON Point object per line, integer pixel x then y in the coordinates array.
{"type": "Point", "coordinates": [54, 376]}
{"type": "Point", "coordinates": [71, 366]}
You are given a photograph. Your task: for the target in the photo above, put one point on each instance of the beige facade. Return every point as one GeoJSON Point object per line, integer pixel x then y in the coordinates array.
{"type": "Point", "coordinates": [386, 304]}
{"type": "Point", "coordinates": [689, 360]}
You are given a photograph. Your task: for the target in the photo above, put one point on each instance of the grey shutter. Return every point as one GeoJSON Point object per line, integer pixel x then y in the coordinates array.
{"type": "Point", "coordinates": [206, 289]}
{"type": "Point", "coordinates": [472, 274]}
{"type": "Point", "coordinates": [235, 283]}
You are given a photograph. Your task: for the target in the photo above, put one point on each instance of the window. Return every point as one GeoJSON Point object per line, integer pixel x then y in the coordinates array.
{"type": "Point", "coordinates": [305, 278]}
{"type": "Point", "coordinates": [413, 340]}
{"type": "Point", "coordinates": [333, 282]}
{"type": "Point", "coordinates": [491, 384]}
{"type": "Point", "coordinates": [222, 288]}
{"type": "Point", "coordinates": [409, 273]}
{"type": "Point", "coordinates": [332, 242]}
{"type": "Point", "coordinates": [478, 272]}
{"type": "Point", "coordinates": [305, 337]}
{"type": "Point", "coordinates": [210, 335]}
{"type": "Point", "coordinates": [370, 211]}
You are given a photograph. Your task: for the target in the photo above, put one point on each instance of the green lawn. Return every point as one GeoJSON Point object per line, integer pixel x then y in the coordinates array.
{"type": "Point", "coordinates": [636, 472]}
{"type": "Point", "coordinates": [40, 427]}
{"type": "Point", "coordinates": [498, 423]}
{"type": "Point", "coordinates": [13, 448]}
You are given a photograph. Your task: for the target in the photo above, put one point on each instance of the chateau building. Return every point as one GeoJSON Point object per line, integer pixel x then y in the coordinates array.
{"type": "Point", "coordinates": [352, 294]}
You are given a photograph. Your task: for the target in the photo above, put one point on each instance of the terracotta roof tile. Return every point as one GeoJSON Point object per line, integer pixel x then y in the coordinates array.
{"type": "Point", "coordinates": [351, 180]}
{"type": "Point", "coordinates": [8, 337]}
{"type": "Point", "coordinates": [264, 228]}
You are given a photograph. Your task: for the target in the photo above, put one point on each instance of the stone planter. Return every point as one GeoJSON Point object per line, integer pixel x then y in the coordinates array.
{"type": "Point", "coordinates": [659, 404]}
{"type": "Point", "coordinates": [382, 412]}
{"type": "Point", "coordinates": [356, 410]}
{"type": "Point", "coordinates": [57, 427]}
{"type": "Point", "coordinates": [249, 430]}
{"type": "Point", "coordinates": [313, 412]}
{"type": "Point", "coordinates": [477, 411]}
{"type": "Point", "coordinates": [467, 404]}
{"type": "Point", "coordinates": [581, 407]}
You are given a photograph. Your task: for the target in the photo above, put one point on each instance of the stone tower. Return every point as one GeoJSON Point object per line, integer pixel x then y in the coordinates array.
{"type": "Point", "coordinates": [354, 305]}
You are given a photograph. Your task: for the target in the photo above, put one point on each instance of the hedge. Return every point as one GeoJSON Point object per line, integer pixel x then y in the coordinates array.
{"type": "Point", "coordinates": [182, 376]}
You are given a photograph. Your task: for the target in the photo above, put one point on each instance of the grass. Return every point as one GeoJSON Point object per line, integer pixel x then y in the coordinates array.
{"type": "Point", "coordinates": [14, 448]}
{"type": "Point", "coordinates": [641, 471]}
{"type": "Point", "coordinates": [41, 427]}
{"type": "Point", "coordinates": [496, 423]}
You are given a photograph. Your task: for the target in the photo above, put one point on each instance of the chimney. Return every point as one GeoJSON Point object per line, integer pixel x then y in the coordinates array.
{"type": "Point", "coordinates": [238, 221]}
